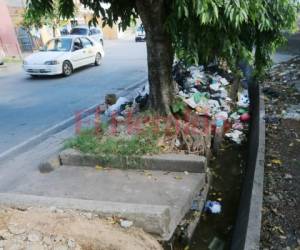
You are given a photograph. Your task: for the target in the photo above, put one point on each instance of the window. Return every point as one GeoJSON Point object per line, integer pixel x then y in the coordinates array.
{"type": "Point", "coordinates": [79, 31]}
{"type": "Point", "coordinates": [59, 44]}
{"type": "Point", "coordinates": [86, 42]}
{"type": "Point", "coordinates": [77, 44]}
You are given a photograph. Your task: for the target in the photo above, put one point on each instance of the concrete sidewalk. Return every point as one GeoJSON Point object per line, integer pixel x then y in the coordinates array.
{"type": "Point", "coordinates": [10, 68]}
{"type": "Point", "coordinates": [154, 200]}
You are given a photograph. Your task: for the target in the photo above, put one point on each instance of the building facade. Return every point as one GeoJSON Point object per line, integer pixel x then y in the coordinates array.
{"type": "Point", "coordinates": [8, 39]}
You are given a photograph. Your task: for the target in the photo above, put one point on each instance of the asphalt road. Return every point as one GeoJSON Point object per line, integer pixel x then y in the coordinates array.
{"type": "Point", "coordinates": [29, 106]}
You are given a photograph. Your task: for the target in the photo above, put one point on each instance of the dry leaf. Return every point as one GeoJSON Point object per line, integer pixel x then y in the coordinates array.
{"type": "Point", "coordinates": [276, 161]}
{"type": "Point", "coordinates": [98, 167]}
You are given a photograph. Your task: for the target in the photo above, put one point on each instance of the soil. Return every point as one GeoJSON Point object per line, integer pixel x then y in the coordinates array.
{"type": "Point", "coordinates": [42, 228]}
{"type": "Point", "coordinates": [281, 204]}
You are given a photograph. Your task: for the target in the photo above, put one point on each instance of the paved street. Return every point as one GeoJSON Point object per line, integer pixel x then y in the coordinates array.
{"type": "Point", "coordinates": [28, 106]}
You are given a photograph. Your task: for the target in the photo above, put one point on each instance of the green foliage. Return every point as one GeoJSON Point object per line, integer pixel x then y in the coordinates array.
{"type": "Point", "coordinates": [142, 143]}
{"type": "Point", "coordinates": [178, 106]}
{"type": "Point", "coordinates": [207, 30]}
{"type": "Point", "coordinates": [50, 15]}
{"type": "Point", "coordinates": [203, 31]}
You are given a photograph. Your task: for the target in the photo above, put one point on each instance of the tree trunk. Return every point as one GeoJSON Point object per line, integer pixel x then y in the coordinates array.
{"type": "Point", "coordinates": [235, 87]}
{"type": "Point", "coordinates": [160, 54]}
{"type": "Point", "coordinates": [53, 31]}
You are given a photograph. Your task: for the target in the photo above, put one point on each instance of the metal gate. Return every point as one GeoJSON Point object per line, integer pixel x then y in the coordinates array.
{"type": "Point", "coordinates": [25, 40]}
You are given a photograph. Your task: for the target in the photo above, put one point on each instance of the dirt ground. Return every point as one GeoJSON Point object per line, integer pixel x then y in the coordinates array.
{"type": "Point", "coordinates": [281, 205]}
{"type": "Point", "coordinates": [51, 228]}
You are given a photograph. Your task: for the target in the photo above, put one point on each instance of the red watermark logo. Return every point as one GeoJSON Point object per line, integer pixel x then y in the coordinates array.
{"type": "Point", "coordinates": [189, 124]}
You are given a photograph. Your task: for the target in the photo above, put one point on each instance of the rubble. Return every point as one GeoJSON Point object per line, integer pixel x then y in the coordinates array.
{"type": "Point", "coordinates": [280, 219]}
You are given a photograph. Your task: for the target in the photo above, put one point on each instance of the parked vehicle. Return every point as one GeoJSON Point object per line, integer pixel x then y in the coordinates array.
{"type": "Point", "coordinates": [140, 34]}
{"type": "Point", "coordinates": [94, 32]}
{"type": "Point", "coordinates": [63, 55]}
{"type": "Point", "coordinates": [1, 57]}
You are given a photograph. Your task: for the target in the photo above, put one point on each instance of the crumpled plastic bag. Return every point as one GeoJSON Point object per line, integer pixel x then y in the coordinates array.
{"type": "Point", "coordinates": [236, 136]}
{"type": "Point", "coordinates": [116, 108]}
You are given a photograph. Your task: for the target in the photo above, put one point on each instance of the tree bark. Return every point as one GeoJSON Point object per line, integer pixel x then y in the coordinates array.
{"type": "Point", "coordinates": [235, 87]}
{"type": "Point", "coordinates": [160, 54]}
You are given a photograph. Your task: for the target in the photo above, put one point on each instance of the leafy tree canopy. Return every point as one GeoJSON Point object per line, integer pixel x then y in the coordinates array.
{"type": "Point", "coordinates": [198, 31]}
{"type": "Point", "coordinates": [201, 30]}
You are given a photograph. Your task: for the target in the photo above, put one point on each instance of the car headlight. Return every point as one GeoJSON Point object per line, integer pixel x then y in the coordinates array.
{"type": "Point", "coordinates": [25, 62]}
{"type": "Point", "coordinates": [52, 62]}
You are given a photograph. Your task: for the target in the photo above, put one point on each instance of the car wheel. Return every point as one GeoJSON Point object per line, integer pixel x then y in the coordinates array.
{"type": "Point", "coordinates": [98, 59]}
{"type": "Point", "coordinates": [67, 68]}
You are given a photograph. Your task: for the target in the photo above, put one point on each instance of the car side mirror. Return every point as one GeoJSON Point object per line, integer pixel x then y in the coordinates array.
{"type": "Point", "coordinates": [76, 48]}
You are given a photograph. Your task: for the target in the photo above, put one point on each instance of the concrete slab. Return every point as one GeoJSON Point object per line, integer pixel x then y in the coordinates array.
{"type": "Point", "coordinates": [154, 200]}
{"type": "Point", "coordinates": [162, 162]}
{"type": "Point", "coordinates": [169, 194]}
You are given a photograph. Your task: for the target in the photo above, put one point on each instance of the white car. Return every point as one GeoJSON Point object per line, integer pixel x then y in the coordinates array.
{"type": "Point", "coordinates": [63, 55]}
{"type": "Point", "coordinates": [140, 34]}
{"type": "Point", "coordinates": [94, 32]}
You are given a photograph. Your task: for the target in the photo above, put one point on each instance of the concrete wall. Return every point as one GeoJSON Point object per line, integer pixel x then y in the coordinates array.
{"type": "Point", "coordinates": [8, 39]}
{"type": "Point", "coordinates": [16, 14]}
{"type": "Point", "coordinates": [248, 224]}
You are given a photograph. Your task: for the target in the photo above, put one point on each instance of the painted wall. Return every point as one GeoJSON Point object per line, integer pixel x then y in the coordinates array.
{"type": "Point", "coordinates": [8, 40]}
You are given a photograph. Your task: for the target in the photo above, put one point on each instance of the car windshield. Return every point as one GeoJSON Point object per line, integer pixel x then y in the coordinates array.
{"type": "Point", "coordinates": [79, 31]}
{"type": "Point", "coordinates": [60, 44]}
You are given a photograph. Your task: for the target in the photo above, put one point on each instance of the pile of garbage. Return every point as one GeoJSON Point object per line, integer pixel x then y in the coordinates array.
{"type": "Point", "coordinates": [207, 94]}
{"type": "Point", "coordinates": [124, 105]}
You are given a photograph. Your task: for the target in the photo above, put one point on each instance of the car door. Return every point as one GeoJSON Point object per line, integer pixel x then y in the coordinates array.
{"type": "Point", "coordinates": [88, 50]}
{"type": "Point", "coordinates": [77, 56]}
{"type": "Point", "coordinates": [93, 34]}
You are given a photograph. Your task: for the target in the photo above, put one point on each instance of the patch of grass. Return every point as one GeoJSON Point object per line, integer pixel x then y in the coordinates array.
{"type": "Point", "coordinates": [145, 142]}
{"type": "Point", "coordinates": [12, 60]}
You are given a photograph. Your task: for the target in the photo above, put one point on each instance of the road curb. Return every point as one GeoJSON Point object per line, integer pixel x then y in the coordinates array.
{"type": "Point", "coordinates": [169, 162]}
{"type": "Point", "coordinates": [248, 223]}
{"type": "Point", "coordinates": [34, 140]}
{"type": "Point", "coordinates": [154, 219]}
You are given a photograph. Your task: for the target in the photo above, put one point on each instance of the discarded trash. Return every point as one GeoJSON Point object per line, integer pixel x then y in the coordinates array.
{"type": "Point", "coordinates": [276, 162]}
{"type": "Point", "coordinates": [196, 203]}
{"type": "Point", "coordinates": [238, 126]}
{"type": "Point", "coordinates": [115, 108]}
{"type": "Point", "coordinates": [245, 117]}
{"type": "Point", "coordinates": [235, 116]}
{"type": "Point", "coordinates": [244, 99]}
{"type": "Point", "coordinates": [293, 113]}
{"type": "Point", "coordinates": [236, 136]}
{"type": "Point", "coordinates": [126, 223]}
{"type": "Point", "coordinates": [213, 207]}
{"type": "Point", "coordinates": [271, 119]}
{"type": "Point", "coordinates": [110, 99]}
{"type": "Point", "coordinates": [215, 86]}
{"type": "Point", "coordinates": [222, 116]}
{"type": "Point", "coordinates": [216, 244]}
